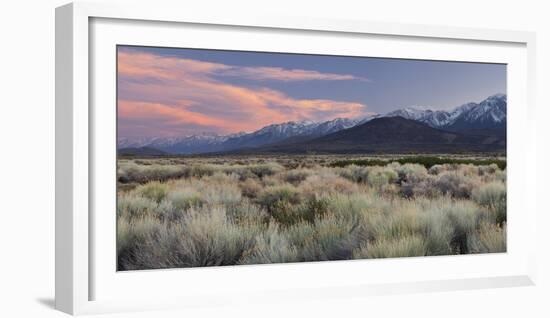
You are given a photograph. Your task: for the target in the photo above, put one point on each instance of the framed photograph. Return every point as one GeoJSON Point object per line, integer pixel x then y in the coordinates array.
{"type": "Point", "coordinates": [211, 159]}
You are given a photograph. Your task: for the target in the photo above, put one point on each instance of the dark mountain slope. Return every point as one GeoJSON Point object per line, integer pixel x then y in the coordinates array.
{"type": "Point", "coordinates": [389, 135]}
{"type": "Point", "coordinates": [141, 151]}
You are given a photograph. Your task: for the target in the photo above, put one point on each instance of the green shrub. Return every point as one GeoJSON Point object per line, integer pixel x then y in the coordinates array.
{"type": "Point", "coordinates": [354, 173]}
{"type": "Point", "coordinates": [311, 209]}
{"type": "Point", "coordinates": [273, 195]}
{"type": "Point", "coordinates": [284, 213]}
{"type": "Point", "coordinates": [155, 191]}
{"type": "Point", "coordinates": [426, 161]}
{"type": "Point", "coordinates": [410, 172]}
{"type": "Point", "coordinates": [360, 162]}
{"type": "Point", "coordinates": [241, 171]}
{"type": "Point", "coordinates": [266, 169]}
{"type": "Point", "coordinates": [185, 198]}
{"type": "Point", "coordinates": [379, 177]}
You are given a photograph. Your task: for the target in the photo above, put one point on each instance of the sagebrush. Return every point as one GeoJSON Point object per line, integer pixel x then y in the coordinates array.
{"type": "Point", "coordinates": [212, 212]}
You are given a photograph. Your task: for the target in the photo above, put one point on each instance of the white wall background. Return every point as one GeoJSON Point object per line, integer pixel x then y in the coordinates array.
{"type": "Point", "coordinates": [27, 158]}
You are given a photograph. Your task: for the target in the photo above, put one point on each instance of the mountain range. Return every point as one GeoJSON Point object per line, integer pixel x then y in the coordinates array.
{"type": "Point", "coordinates": [387, 135]}
{"type": "Point", "coordinates": [469, 127]}
{"type": "Point", "coordinates": [489, 114]}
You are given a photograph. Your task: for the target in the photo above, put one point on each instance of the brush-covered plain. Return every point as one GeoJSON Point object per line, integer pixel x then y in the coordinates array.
{"type": "Point", "coordinates": [192, 212]}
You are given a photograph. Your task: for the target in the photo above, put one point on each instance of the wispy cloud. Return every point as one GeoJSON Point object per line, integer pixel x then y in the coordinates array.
{"type": "Point", "coordinates": [287, 75]}
{"type": "Point", "coordinates": [181, 96]}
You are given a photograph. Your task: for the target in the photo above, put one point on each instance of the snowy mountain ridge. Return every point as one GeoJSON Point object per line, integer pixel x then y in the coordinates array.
{"type": "Point", "coordinates": [488, 114]}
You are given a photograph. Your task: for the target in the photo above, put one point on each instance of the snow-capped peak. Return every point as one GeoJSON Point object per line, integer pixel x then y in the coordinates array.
{"type": "Point", "coordinates": [497, 96]}
{"type": "Point", "coordinates": [288, 128]}
{"type": "Point", "coordinates": [492, 109]}
{"type": "Point", "coordinates": [410, 112]}
{"type": "Point", "coordinates": [423, 114]}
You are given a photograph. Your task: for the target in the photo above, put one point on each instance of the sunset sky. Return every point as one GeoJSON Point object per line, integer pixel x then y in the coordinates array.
{"type": "Point", "coordinates": [177, 92]}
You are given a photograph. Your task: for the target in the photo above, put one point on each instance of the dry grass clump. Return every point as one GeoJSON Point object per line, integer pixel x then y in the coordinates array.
{"type": "Point", "coordinates": [375, 176]}
{"type": "Point", "coordinates": [378, 177]}
{"type": "Point", "coordinates": [488, 170]}
{"type": "Point", "coordinates": [437, 169]}
{"type": "Point", "coordinates": [201, 170]}
{"type": "Point", "coordinates": [266, 169]}
{"type": "Point", "coordinates": [490, 238]}
{"type": "Point", "coordinates": [132, 172]}
{"type": "Point", "coordinates": [185, 198]}
{"type": "Point", "coordinates": [334, 239]}
{"type": "Point", "coordinates": [420, 188]}
{"type": "Point", "coordinates": [327, 183]}
{"type": "Point", "coordinates": [357, 174]}
{"type": "Point", "coordinates": [271, 246]}
{"type": "Point", "coordinates": [397, 247]}
{"type": "Point", "coordinates": [203, 237]}
{"type": "Point", "coordinates": [462, 217]}
{"type": "Point", "coordinates": [250, 188]}
{"type": "Point", "coordinates": [295, 176]}
{"type": "Point", "coordinates": [272, 195]}
{"type": "Point", "coordinates": [248, 213]}
{"type": "Point", "coordinates": [410, 172]}
{"type": "Point", "coordinates": [155, 191]}
{"type": "Point", "coordinates": [210, 212]}
{"type": "Point", "coordinates": [245, 171]}
{"type": "Point", "coordinates": [132, 235]}
{"type": "Point", "coordinates": [133, 205]}
{"type": "Point", "coordinates": [222, 194]}
{"type": "Point", "coordinates": [493, 196]}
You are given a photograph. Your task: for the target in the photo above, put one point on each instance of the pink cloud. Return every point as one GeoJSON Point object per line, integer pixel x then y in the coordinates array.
{"type": "Point", "coordinates": [169, 114]}
{"type": "Point", "coordinates": [135, 64]}
{"type": "Point", "coordinates": [160, 67]}
{"type": "Point", "coordinates": [281, 74]}
{"type": "Point", "coordinates": [176, 91]}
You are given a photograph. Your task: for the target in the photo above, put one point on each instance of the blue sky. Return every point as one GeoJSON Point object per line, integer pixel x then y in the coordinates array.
{"type": "Point", "coordinates": [208, 90]}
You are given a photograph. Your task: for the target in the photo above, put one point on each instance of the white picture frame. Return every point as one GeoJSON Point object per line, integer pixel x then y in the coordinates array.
{"type": "Point", "coordinates": [84, 286]}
